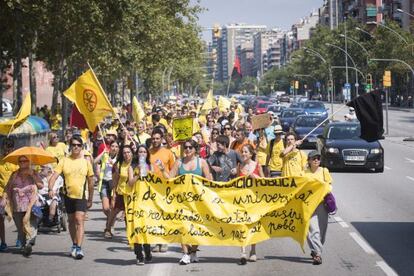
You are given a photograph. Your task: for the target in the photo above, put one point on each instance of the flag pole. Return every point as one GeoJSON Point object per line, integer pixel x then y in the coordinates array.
{"type": "Point", "coordinates": [327, 118]}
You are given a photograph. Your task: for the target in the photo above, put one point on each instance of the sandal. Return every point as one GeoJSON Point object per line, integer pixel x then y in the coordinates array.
{"type": "Point", "coordinates": [243, 259]}
{"type": "Point", "coordinates": [108, 234]}
{"type": "Point", "coordinates": [317, 259]}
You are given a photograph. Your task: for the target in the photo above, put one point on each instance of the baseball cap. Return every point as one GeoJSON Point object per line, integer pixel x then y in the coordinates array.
{"type": "Point", "coordinates": [313, 154]}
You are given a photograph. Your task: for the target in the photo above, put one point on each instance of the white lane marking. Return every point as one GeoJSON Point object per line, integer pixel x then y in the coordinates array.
{"type": "Point", "coordinates": [162, 269]}
{"type": "Point", "coordinates": [386, 268]}
{"type": "Point", "coordinates": [410, 178]}
{"type": "Point", "coordinates": [387, 168]}
{"type": "Point", "coordinates": [364, 245]}
{"type": "Point", "coordinates": [341, 222]}
{"type": "Point", "coordinates": [409, 160]}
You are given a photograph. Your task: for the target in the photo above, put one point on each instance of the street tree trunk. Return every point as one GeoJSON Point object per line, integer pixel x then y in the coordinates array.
{"type": "Point", "coordinates": [32, 74]}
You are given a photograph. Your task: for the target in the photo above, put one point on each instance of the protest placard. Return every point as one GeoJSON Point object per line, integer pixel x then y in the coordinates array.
{"type": "Point", "coordinates": [182, 129]}
{"type": "Point", "coordinates": [261, 121]}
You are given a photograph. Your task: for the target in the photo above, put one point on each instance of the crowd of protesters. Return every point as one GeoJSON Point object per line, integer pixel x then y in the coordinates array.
{"type": "Point", "coordinates": [224, 146]}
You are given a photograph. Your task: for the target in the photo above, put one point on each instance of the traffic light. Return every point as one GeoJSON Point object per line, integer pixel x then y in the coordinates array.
{"type": "Point", "coordinates": [330, 84]}
{"type": "Point", "coordinates": [296, 84]}
{"type": "Point", "coordinates": [387, 79]}
{"type": "Point", "coordinates": [368, 86]}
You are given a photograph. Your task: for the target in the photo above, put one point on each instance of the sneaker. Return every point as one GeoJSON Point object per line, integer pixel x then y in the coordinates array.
{"type": "Point", "coordinates": [252, 257]}
{"type": "Point", "coordinates": [148, 258]}
{"type": "Point", "coordinates": [79, 254]}
{"type": "Point", "coordinates": [163, 248]}
{"type": "Point", "coordinates": [185, 260]}
{"type": "Point", "coordinates": [193, 257]}
{"type": "Point", "coordinates": [140, 261]}
{"type": "Point", "coordinates": [27, 250]}
{"type": "Point", "coordinates": [73, 251]}
{"type": "Point", "coordinates": [108, 234]}
{"type": "Point", "coordinates": [156, 248]}
{"type": "Point", "coordinates": [19, 244]}
{"type": "Point", "coordinates": [3, 247]}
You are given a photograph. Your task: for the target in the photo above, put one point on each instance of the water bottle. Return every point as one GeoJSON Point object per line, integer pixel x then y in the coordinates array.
{"type": "Point", "coordinates": [142, 166]}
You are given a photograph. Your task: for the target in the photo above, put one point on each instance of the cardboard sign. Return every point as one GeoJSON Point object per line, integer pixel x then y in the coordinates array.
{"type": "Point", "coordinates": [261, 121]}
{"type": "Point", "coordinates": [182, 129]}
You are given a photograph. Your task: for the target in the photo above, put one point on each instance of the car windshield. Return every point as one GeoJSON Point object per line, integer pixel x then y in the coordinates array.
{"type": "Point", "coordinates": [275, 108]}
{"type": "Point", "coordinates": [308, 121]}
{"type": "Point", "coordinates": [313, 105]}
{"type": "Point", "coordinates": [344, 132]}
{"type": "Point", "coordinates": [291, 113]}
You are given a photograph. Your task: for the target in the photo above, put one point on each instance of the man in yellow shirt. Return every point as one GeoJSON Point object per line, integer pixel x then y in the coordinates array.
{"type": "Point", "coordinates": [294, 160]}
{"type": "Point", "coordinates": [274, 149]}
{"type": "Point", "coordinates": [77, 172]}
{"type": "Point", "coordinates": [142, 135]}
{"type": "Point", "coordinates": [6, 170]}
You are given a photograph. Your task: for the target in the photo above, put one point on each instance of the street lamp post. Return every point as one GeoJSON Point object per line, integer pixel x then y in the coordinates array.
{"type": "Point", "coordinates": [359, 44]}
{"type": "Point", "coordinates": [365, 32]}
{"type": "Point", "coordinates": [319, 55]}
{"type": "Point", "coordinates": [346, 65]}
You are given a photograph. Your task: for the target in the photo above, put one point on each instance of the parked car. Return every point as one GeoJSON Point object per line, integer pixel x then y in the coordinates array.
{"type": "Point", "coordinates": [341, 147]}
{"type": "Point", "coordinates": [275, 109]}
{"type": "Point", "coordinates": [284, 98]}
{"type": "Point", "coordinates": [261, 106]}
{"type": "Point", "coordinates": [296, 105]}
{"type": "Point", "coordinates": [306, 123]}
{"type": "Point", "coordinates": [315, 108]}
{"type": "Point", "coordinates": [288, 116]}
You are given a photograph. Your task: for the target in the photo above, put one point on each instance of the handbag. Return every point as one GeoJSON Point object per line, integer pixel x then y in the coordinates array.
{"type": "Point", "coordinates": [330, 203]}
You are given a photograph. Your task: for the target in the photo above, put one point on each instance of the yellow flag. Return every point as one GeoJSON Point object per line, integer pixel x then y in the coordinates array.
{"type": "Point", "coordinates": [210, 102]}
{"type": "Point", "coordinates": [90, 99]}
{"type": "Point", "coordinates": [223, 103]}
{"type": "Point", "coordinates": [137, 112]}
{"type": "Point", "coordinates": [7, 127]}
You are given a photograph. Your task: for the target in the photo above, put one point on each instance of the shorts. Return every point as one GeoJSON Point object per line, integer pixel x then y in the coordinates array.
{"type": "Point", "coordinates": [106, 189]}
{"type": "Point", "coordinates": [119, 202]}
{"type": "Point", "coordinates": [73, 205]}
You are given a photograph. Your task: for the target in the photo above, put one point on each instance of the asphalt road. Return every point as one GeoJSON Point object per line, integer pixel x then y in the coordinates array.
{"type": "Point", "coordinates": [372, 233]}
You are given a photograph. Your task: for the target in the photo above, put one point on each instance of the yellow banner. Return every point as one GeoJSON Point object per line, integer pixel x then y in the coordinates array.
{"type": "Point", "coordinates": [182, 128]}
{"type": "Point", "coordinates": [192, 210]}
{"type": "Point", "coordinates": [25, 110]}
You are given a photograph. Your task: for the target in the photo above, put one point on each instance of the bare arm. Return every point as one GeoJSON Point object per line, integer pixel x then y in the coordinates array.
{"type": "Point", "coordinates": [51, 183]}
{"type": "Point", "coordinates": [206, 170]}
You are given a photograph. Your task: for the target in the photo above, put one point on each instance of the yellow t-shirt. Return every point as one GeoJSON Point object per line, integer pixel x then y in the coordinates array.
{"type": "Point", "coordinates": [275, 161]}
{"type": "Point", "coordinates": [57, 151]}
{"type": "Point", "coordinates": [6, 170]}
{"type": "Point", "coordinates": [294, 163]}
{"type": "Point", "coordinates": [123, 188]}
{"type": "Point", "coordinates": [75, 172]}
{"type": "Point", "coordinates": [321, 174]}
{"type": "Point", "coordinates": [143, 137]}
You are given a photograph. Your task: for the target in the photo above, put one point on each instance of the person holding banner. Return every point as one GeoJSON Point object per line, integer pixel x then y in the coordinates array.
{"type": "Point", "coordinates": [318, 225]}
{"type": "Point", "coordinates": [190, 164]}
{"type": "Point", "coordinates": [250, 168]}
{"type": "Point", "coordinates": [294, 160]}
{"type": "Point", "coordinates": [144, 166]}
{"type": "Point", "coordinates": [122, 173]}
{"type": "Point", "coordinates": [274, 149]}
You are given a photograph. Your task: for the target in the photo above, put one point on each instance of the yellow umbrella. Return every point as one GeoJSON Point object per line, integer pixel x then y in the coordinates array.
{"type": "Point", "coordinates": [36, 156]}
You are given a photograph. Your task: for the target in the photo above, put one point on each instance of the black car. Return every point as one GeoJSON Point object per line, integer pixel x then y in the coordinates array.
{"type": "Point", "coordinates": [341, 147]}
{"type": "Point", "coordinates": [288, 116]}
{"type": "Point", "coordinates": [306, 123]}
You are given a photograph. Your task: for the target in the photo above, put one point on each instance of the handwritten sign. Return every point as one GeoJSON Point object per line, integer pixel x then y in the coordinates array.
{"type": "Point", "coordinates": [192, 210]}
{"type": "Point", "coordinates": [261, 121]}
{"type": "Point", "coordinates": [182, 128]}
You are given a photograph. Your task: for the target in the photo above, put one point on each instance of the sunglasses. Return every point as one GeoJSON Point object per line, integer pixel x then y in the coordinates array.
{"type": "Point", "coordinates": [227, 128]}
{"type": "Point", "coordinates": [23, 161]}
{"type": "Point", "coordinates": [76, 145]}
{"type": "Point", "coordinates": [316, 158]}
{"type": "Point", "coordinates": [188, 147]}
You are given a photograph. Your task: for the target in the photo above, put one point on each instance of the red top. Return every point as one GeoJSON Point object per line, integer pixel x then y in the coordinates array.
{"type": "Point", "coordinates": [256, 170]}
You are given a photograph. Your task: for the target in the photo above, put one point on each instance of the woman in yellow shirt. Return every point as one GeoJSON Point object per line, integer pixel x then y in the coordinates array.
{"type": "Point", "coordinates": [121, 175]}
{"type": "Point", "coordinates": [294, 160]}
{"type": "Point", "coordinates": [319, 221]}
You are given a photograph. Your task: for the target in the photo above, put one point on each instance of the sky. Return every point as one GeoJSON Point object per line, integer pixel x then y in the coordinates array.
{"type": "Point", "coordinates": [272, 13]}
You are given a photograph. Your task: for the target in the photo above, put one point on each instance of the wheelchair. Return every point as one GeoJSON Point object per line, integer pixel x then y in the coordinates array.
{"type": "Point", "coordinates": [60, 219]}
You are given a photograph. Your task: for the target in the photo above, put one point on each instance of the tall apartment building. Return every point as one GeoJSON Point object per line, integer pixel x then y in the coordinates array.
{"type": "Point", "coordinates": [303, 29]}
{"type": "Point", "coordinates": [247, 59]}
{"type": "Point", "coordinates": [262, 42]}
{"type": "Point", "coordinates": [229, 44]}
